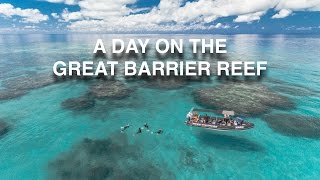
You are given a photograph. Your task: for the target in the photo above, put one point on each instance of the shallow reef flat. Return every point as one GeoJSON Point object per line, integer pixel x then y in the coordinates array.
{"type": "Point", "coordinates": [294, 125]}
{"type": "Point", "coordinates": [243, 98]}
{"type": "Point", "coordinates": [21, 85]}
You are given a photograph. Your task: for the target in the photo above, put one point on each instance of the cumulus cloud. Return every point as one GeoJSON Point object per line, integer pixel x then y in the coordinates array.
{"type": "Point", "coordinates": [27, 15]}
{"type": "Point", "coordinates": [282, 14]}
{"type": "Point", "coordinates": [249, 17]}
{"type": "Point", "coordinates": [99, 9]}
{"type": "Point", "coordinates": [70, 16]}
{"type": "Point", "coordinates": [299, 5]}
{"type": "Point", "coordinates": [118, 15]}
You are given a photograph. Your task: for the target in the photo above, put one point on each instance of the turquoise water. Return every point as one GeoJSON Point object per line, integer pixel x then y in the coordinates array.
{"type": "Point", "coordinates": [45, 139]}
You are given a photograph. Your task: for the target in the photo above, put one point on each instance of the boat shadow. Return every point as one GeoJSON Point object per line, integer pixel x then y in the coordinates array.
{"type": "Point", "coordinates": [228, 142]}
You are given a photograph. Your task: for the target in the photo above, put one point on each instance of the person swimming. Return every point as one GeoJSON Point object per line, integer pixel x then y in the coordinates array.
{"type": "Point", "coordinates": [146, 126]}
{"type": "Point", "coordinates": [125, 127]}
{"type": "Point", "coordinates": [160, 131]}
{"type": "Point", "coordinates": [139, 131]}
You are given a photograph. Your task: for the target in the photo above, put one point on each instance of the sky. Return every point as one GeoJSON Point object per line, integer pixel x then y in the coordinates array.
{"type": "Point", "coordinates": [160, 16]}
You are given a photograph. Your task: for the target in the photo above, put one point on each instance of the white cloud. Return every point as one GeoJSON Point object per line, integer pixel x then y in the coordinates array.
{"type": "Point", "coordinates": [70, 16]}
{"type": "Point", "coordinates": [249, 17]}
{"type": "Point", "coordinates": [282, 14]}
{"type": "Point", "coordinates": [304, 28]}
{"type": "Point", "coordinates": [117, 15]}
{"type": "Point", "coordinates": [30, 27]}
{"type": "Point", "coordinates": [221, 26]}
{"type": "Point", "coordinates": [55, 15]}
{"type": "Point", "coordinates": [69, 2]}
{"type": "Point", "coordinates": [100, 9]}
{"type": "Point", "coordinates": [299, 5]}
{"type": "Point", "coordinates": [27, 15]}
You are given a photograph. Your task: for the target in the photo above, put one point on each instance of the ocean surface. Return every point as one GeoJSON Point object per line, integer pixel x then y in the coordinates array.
{"type": "Point", "coordinates": [55, 128]}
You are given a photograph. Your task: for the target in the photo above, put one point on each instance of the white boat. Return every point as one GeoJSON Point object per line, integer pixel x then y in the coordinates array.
{"type": "Point", "coordinates": [199, 118]}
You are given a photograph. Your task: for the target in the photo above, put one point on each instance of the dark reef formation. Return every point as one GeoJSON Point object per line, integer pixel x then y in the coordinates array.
{"type": "Point", "coordinates": [294, 125]}
{"type": "Point", "coordinates": [193, 159]}
{"type": "Point", "coordinates": [112, 158]}
{"type": "Point", "coordinates": [21, 85]}
{"type": "Point", "coordinates": [166, 83]}
{"type": "Point", "coordinates": [4, 128]}
{"type": "Point", "coordinates": [29, 82]}
{"type": "Point", "coordinates": [101, 94]}
{"type": "Point", "coordinates": [78, 103]}
{"type": "Point", "coordinates": [243, 98]}
{"type": "Point", "coordinates": [109, 89]}
{"type": "Point", "coordinates": [6, 94]}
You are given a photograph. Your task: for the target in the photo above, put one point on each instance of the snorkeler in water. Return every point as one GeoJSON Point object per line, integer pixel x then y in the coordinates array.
{"type": "Point", "coordinates": [160, 131]}
{"type": "Point", "coordinates": [146, 126]}
{"type": "Point", "coordinates": [125, 127]}
{"type": "Point", "coordinates": [139, 131]}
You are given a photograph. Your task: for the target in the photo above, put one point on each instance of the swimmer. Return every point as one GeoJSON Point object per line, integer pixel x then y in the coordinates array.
{"type": "Point", "coordinates": [146, 126]}
{"type": "Point", "coordinates": [125, 127]}
{"type": "Point", "coordinates": [139, 131]}
{"type": "Point", "coordinates": [160, 131]}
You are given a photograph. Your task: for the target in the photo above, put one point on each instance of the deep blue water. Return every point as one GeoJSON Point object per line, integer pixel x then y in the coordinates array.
{"type": "Point", "coordinates": [46, 140]}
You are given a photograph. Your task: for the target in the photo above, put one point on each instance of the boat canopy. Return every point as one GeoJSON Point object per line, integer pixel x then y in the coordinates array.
{"type": "Point", "coordinates": [239, 119]}
{"type": "Point", "coordinates": [228, 113]}
{"type": "Point", "coordinates": [224, 112]}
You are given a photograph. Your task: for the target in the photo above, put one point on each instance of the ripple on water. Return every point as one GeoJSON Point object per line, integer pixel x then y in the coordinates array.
{"type": "Point", "coordinates": [290, 88]}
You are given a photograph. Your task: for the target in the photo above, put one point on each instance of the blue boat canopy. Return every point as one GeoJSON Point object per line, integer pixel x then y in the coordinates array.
{"type": "Point", "coordinates": [239, 119]}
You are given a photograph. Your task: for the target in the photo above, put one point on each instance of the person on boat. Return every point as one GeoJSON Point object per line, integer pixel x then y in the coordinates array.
{"type": "Point", "coordinates": [235, 123]}
{"type": "Point", "coordinates": [160, 131]}
{"type": "Point", "coordinates": [125, 127]}
{"type": "Point", "coordinates": [206, 119]}
{"type": "Point", "coordinates": [139, 131]}
{"type": "Point", "coordinates": [146, 125]}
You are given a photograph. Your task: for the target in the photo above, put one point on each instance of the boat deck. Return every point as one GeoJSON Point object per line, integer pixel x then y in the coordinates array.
{"type": "Point", "coordinates": [221, 126]}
